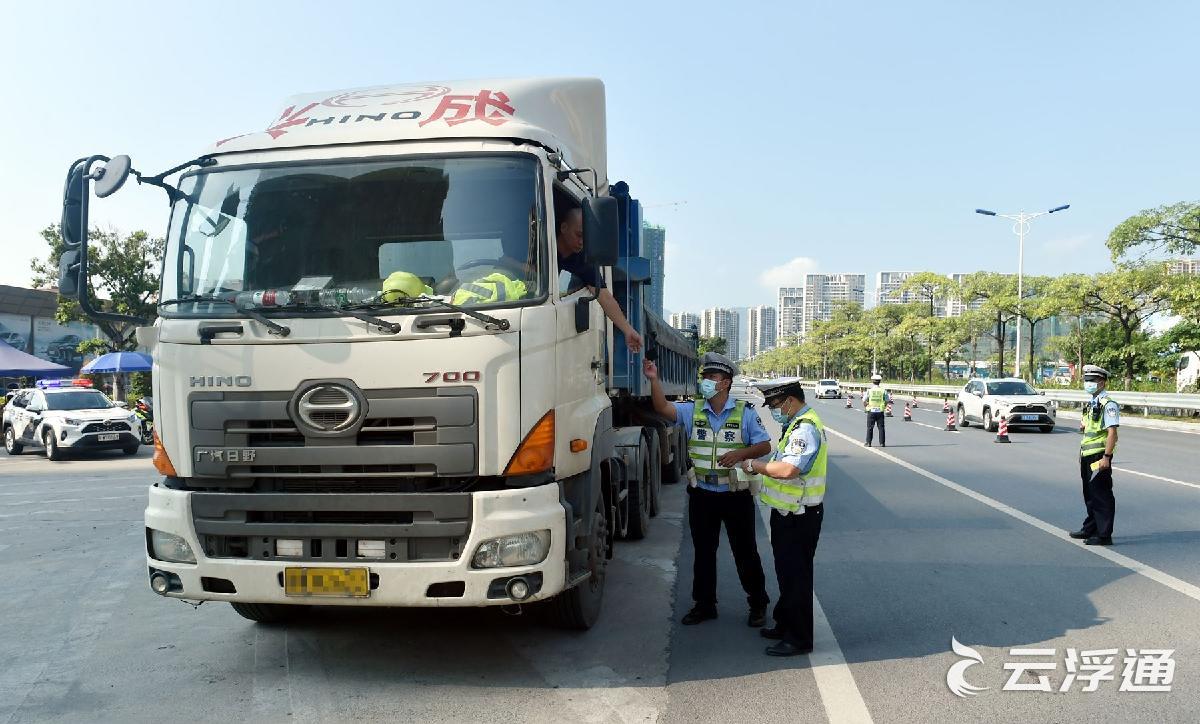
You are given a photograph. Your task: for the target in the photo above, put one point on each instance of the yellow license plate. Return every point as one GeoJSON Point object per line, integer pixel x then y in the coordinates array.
{"type": "Point", "coordinates": [349, 582]}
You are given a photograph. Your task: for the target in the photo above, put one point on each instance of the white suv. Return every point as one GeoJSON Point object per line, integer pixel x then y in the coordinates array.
{"type": "Point", "coordinates": [986, 401]}
{"type": "Point", "coordinates": [68, 418]}
{"type": "Point", "coordinates": [828, 388]}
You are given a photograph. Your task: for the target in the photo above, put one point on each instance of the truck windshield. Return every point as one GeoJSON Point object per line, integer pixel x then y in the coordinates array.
{"type": "Point", "coordinates": [464, 229]}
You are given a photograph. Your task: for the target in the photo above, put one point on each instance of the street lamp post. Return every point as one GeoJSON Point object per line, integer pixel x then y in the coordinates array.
{"type": "Point", "coordinates": [1020, 228]}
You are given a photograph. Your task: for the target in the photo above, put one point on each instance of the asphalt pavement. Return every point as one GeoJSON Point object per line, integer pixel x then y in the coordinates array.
{"type": "Point", "coordinates": [938, 535]}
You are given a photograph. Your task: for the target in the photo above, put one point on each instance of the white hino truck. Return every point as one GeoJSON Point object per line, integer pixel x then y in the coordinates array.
{"type": "Point", "coordinates": [378, 380]}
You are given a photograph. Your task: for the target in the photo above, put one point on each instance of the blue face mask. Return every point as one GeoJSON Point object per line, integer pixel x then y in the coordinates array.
{"type": "Point", "coordinates": [708, 389]}
{"type": "Point", "coordinates": [778, 415]}
{"type": "Point", "coordinates": [1091, 387]}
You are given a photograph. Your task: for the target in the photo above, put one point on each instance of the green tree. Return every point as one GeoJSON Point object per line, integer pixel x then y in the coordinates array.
{"type": "Point", "coordinates": [1171, 229]}
{"type": "Point", "coordinates": [998, 294]}
{"type": "Point", "coordinates": [123, 270]}
{"type": "Point", "coordinates": [713, 344]}
{"type": "Point", "coordinates": [1038, 303]}
{"type": "Point", "coordinates": [1127, 297]}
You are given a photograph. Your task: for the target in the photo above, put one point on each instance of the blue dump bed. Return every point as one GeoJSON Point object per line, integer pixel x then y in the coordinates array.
{"type": "Point", "coordinates": [673, 351]}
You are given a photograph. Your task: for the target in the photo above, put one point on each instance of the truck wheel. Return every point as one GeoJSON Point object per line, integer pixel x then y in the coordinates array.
{"type": "Point", "coordinates": [670, 471]}
{"type": "Point", "coordinates": [51, 444]}
{"type": "Point", "coordinates": [640, 495]}
{"type": "Point", "coordinates": [266, 612]}
{"type": "Point", "coordinates": [11, 446]}
{"type": "Point", "coordinates": [579, 607]}
{"type": "Point", "coordinates": [655, 472]}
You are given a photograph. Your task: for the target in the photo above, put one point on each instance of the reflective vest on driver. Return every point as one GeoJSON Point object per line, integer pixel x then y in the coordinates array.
{"type": "Point", "coordinates": [789, 496]}
{"type": "Point", "coordinates": [875, 398]}
{"type": "Point", "coordinates": [707, 446]}
{"type": "Point", "coordinates": [494, 287]}
{"type": "Point", "coordinates": [1094, 434]}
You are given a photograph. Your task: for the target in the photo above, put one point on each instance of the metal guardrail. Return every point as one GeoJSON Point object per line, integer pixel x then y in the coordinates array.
{"type": "Point", "coordinates": [1074, 398]}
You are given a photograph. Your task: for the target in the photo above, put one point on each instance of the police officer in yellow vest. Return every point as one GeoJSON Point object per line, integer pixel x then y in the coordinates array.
{"type": "Point", "coordinates": [793, 485]}
{"type": "Point", "coordinates": [875, 400]}
{"type": "Point", "coordinates": [1101, 418]}
{"type": "Point", "coordinates": [722, 433]}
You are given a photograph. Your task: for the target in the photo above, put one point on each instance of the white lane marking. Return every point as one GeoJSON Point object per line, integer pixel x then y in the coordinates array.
{"type": "Point", "coordinates": [931, 427]}
{"type": "Point", "coordinates": [840, 696]}
{"type": "Point", "coordinates": [1166, 579]}
{"type": "Point", "coordinates": [1156, 477]}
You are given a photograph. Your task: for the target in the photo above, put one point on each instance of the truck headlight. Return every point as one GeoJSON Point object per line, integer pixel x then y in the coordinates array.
{"type": "Point", "coordinates": [170, 547]}
{"type": "Point", "coordinates": [522, 549]}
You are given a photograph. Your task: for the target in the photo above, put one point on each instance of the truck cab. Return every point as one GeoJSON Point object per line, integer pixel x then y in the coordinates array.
{"type": "Point", "coordinates": [375, 383]}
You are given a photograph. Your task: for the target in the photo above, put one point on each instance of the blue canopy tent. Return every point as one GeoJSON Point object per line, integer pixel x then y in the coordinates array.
{"type": "Point", "coordinates": [116, 364]}
{"type": "Point", "coordinates": [15, 363]}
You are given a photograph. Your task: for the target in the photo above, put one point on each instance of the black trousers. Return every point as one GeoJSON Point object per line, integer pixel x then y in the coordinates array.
{"type": "Point", "coordinates": [794, 543]}
{"type": "Point", "coordinates": [707, 511]}
{"type": "Point", "coordinates": [1097, 498]}
{"type": "Point", "coordinates": [873, 419]}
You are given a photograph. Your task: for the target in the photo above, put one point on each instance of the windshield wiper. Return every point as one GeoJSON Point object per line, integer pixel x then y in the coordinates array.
{"type": "Point", "coordinates": [389, 327]}
{"type": "Point", "coordinates": [500, 324]}
{"type": "Point", "coordinates": [272, 326]}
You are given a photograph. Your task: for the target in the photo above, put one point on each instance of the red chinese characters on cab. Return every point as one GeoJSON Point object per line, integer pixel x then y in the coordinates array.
{"type": "Point", "coordinates": [492, 107]}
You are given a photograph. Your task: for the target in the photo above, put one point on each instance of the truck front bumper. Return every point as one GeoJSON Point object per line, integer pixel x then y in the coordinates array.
{"type": "Point", "coordinates": [403, 584]}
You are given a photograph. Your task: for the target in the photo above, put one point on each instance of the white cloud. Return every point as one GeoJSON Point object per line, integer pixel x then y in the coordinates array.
{"type": "Point", "coordinates": [790, 274]}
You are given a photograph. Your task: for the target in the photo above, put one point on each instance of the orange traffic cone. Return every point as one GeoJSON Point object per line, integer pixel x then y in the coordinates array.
{"type": "Point", "coordinates": [945, 405]}
{"type": "Point", "coordinates": [914, 402]}
{"type": "Point", "coordinates": [1002, 431]}
{"type": "Point", "coordinates": [888, 412]}
{"type": "Point", "coordinates": [950, 421]}
{"type": "Point", "coordinates": [848, 403]}
{"type": "Point", "coordinates": [907, 413]}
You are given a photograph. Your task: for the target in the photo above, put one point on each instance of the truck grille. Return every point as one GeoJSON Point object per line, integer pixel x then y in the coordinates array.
{"type": "Point", "coordinates": [409, 432]}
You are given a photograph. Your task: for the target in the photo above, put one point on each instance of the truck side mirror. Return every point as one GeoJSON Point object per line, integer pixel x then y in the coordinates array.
{"type": "Point", "coordinates": [111, 176]}
{"type": "Point", "coordinates": [600, 223]}
{"type": "Point", "coordinates": [74, 190]}
{"type": "Point", "coordinates": [68, 273]}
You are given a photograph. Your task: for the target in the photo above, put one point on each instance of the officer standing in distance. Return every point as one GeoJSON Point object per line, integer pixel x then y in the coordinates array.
{"type": "Point", "coordinates": [875, 400]}
{"type": "Point", "coordinates": [722, 433]}
{"type": "Point", "coordinates": [794, 487]}
{"type": "Point", "coordinates": [1101, 418]}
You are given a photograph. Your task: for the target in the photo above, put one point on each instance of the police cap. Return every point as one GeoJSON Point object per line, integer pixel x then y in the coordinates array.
{"type": "Point", "coordinates": [876, 377]}
{"type": "Point", "coordinates": [714, 362]}
{"type": "Point", "coordinates": [1094, 371]}
{"type": "Point", "coordinates": [773, 390]}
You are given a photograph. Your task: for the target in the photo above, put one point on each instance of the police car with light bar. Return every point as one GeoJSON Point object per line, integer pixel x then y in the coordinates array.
{"type": "Point", "coordinates": [66, 415]}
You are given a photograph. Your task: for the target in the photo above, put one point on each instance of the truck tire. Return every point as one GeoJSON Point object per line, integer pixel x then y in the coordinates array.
{"type": "Point", "coordinates": [655, 470]}
{"type": "Point", "coordinates": [578, 608]}
{"type": "Point", "coordinates": [640, 494]}
{"type": "Point", "coordinates": [681, 458]}
{"type": "Point", "coordinates": [11, 446]}
{"type": "Point", "coordinates": [670, 470]}
{"type": "Point", "coordinates": [51, 444]}
{"type": "Point", "coordinates": [266, 612]}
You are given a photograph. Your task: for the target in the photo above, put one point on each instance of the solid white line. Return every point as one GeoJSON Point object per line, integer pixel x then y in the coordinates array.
{"type": "Point", "coordinates": [840, 696]}
{"type": "Point", "coordinates": [1157, 477]}
{"type": "Point", "coordinates": [1166, 579]}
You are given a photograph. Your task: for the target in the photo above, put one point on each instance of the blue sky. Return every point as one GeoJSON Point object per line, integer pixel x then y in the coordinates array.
{"type": "Point", "coordinates": [837, 137]}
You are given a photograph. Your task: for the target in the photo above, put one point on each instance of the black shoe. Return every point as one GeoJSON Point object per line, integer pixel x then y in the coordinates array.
{"type": "Point", "coordinates": [1080, 535]}
{"type": "Point", "coordinates": [757, 618]}
{"type": "Point", "coordinates": [775, 633]}
{"type": "Point", "coordinates": [883, 444]}
{"type": "Point", "coordinates": [867, 444]}
{"type": "Point", "coordinates": [785, 648]}
{"type": "Point", "coordinates": [698, 615]}
{"type": "Point", "coordinates": [1098, 541]}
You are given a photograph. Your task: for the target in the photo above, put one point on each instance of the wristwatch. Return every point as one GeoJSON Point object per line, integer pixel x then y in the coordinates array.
{"type": "Point", "coordinates": [748, 465]}
{"type": "Point", "coordinates": [1108, 456]}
